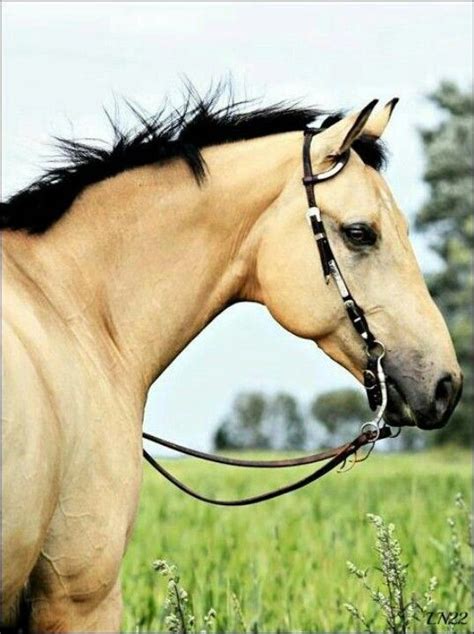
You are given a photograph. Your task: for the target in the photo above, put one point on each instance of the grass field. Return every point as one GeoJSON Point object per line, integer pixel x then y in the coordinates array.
{"type": "Point", "coordinates": [285, 560]}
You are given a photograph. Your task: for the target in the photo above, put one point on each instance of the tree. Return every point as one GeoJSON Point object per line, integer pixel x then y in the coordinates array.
{"type": "Point", "coordinates": [341, 412]}
{"type": "Point", "coordinates": [258, 422]}
{"type": "Point", "coordinates": [223, 437]}
{"type": "Point", "coordinates": [447, 219]}
{"type": "Point", "coordinates": [243, 428]}
{"type": "Point", "coordinates": [285, 424]}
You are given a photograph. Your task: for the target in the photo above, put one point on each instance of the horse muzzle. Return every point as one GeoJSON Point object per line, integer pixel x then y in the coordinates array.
{"type": "Point", "coordinates": [411, 404]}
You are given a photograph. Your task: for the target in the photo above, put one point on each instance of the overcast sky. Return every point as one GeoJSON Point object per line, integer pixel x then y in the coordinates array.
{"type": "Point", "coordinates": [63, 61]}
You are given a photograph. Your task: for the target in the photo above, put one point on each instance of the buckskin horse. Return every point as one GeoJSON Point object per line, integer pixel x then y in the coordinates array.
{"type": "Point", "coordinates": [116, 260]}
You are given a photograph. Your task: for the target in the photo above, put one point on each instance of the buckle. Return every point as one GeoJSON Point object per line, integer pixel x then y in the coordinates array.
{"type": "Point", "coordinates": [375, 350]}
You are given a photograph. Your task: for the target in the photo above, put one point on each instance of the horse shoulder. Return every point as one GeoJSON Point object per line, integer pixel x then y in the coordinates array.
{"type": "Point", "coordinates": [31, 464]}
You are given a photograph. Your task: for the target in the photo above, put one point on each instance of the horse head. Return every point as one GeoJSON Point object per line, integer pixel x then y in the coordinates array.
{"type": "Point", "coordinates": [368, 234]}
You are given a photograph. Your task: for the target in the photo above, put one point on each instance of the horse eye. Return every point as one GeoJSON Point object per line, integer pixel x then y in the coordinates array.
{"type": "Point", "coordinates": [360, 234]}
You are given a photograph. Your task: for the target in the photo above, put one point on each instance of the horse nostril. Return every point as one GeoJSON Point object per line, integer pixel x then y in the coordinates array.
{"type": "Point", "coordinates": [436, 412]}
{"type": "Point", "coordinates": [445, 390]}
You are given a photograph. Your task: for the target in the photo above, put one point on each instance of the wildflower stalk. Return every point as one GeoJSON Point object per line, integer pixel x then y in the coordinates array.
{"type": "Point", "coordinates": [179, 607]}
{"type": "Point", "coordinates": [179, 618]}
{"type": "Point", "coordinates": [399, 612]}
{"type": "Point", "coordinates": [239, 613]}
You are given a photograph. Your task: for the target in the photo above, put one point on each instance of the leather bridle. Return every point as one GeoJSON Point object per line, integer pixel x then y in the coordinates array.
{"type": "Point", "coordinates": [374, 375]}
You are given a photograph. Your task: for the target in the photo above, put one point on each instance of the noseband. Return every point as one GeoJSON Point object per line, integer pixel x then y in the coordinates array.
{"type": "Point", "coordinates": [374, 376]}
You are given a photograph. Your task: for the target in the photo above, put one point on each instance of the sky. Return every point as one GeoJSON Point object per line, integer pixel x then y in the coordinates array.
{"type": "Point", "coordinates": [63, 62]}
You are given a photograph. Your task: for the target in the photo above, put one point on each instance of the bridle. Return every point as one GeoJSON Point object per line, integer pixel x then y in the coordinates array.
{"type": "Point", "coordinates": [374, 375]}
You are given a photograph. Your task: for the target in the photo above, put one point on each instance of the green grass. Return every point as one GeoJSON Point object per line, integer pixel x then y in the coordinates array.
{"type": "Point", "coordinates": [285, 560]}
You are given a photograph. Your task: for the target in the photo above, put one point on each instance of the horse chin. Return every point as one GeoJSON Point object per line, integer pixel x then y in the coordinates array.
{"type": "Point", "coordinates": [398, 412]}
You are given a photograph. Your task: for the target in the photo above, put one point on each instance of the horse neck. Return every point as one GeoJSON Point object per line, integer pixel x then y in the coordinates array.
{"type": "Point", "coordinates": [142, 262]}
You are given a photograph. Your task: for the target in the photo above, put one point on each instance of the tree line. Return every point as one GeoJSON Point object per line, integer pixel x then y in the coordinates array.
{"type": "Point", "coordinates": [280, 422]}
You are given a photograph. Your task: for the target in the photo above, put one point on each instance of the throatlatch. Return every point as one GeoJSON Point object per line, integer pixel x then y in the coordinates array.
{"type": "Point", "coordinates": [374, 375]}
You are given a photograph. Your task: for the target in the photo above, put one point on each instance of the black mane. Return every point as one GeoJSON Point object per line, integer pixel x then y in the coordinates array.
{"type": "Point", "coordinates": [199, 123]}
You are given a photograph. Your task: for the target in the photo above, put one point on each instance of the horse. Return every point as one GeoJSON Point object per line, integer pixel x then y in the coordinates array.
{"type": "Point", "coordinates": [115, 260]}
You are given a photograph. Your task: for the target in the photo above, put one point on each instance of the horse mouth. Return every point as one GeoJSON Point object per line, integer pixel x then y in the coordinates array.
{"type": "Point", "coordinates": [398, 412]}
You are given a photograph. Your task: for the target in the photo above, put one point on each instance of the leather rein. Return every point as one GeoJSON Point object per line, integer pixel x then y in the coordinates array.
{"type": "Point", "coordinates": [374, 375]}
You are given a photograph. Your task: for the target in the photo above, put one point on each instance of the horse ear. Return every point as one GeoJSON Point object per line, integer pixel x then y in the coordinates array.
{"type": "Point", "coordinates": [378, 121]}
{"type": "Point", "coordinates": [339, 137]}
